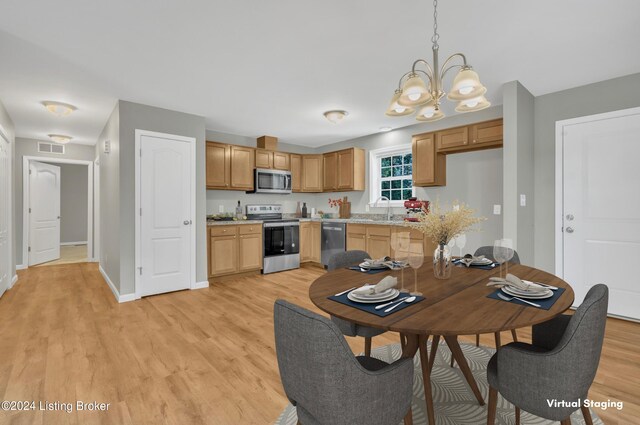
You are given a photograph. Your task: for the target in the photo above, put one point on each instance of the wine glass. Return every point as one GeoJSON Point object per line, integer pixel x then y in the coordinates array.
{"type": "Point", "coordinates": [400, 245]}
{"type": "Point", "coordinates": [416, 260]}
{"type": "Point", "coordinates": [451, 244]}
{"type": "Point", "coordinates": [502, 253]}
{"type": "Point", "coordinates": [461, 241]}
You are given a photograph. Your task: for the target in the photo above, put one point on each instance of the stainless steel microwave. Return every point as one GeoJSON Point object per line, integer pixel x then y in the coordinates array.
{"type": "Point", "coordinates": [272, 181]}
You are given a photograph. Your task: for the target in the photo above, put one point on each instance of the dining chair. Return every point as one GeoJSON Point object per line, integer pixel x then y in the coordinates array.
{"type": "Point", "coordinates": [327, 384]}
{"type": "Point", "coordinates": [341, 260]}
{"type": "Point", "coordinates": [560, 364]}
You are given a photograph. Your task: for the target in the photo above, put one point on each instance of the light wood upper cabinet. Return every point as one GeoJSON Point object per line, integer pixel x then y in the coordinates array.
{"type": "Point", "coordinates": [429, 167]}
{"type": "Point", "coordinates": [242, 166]}
{"type": "Point", "coordinates": [264, 158]}
{"type": "Point", "coordinates": [234, 249]}
{"type": "Point", "coordinates": [487, 133]}
{"type": "Point", "coordinates": [296, 172]}
{"type": "Point", "coordinates": [281, 161]}
{"type": "Point", "coordinates": [351, 169]}
{"type": "Point", "coordinates": [218, 165]}
{"type": "Point", "coordinates": [330, 172]}
{"type": "Point", "coordinates": [452, 139]}
{"type": "Point", "coordinates": [312, 173]}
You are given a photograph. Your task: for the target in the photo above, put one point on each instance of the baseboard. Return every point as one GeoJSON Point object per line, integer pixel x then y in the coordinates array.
{"type": "Point", "coordinates": [13, 281]}
{"type": "Point", "coordinates": [201, 285]}
{"type": "Point", "coordinates": [73, 243]}
{"type": "Point", "coordinates": [116, 294]}
{"type": "Point", "coordinates": [21, 266]}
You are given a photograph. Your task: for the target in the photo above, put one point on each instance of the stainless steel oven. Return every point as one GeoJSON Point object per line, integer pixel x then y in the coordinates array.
{"type": "Point", "coordinates": [272, 181]}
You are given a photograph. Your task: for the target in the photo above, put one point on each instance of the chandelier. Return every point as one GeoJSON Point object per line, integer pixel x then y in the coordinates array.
{"type": "Point", "coordinates": [415, 92]}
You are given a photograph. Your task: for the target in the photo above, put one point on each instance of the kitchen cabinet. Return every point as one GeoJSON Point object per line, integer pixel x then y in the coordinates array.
{"type": "Point", "coordinates": [429, 167]}
{"type": "Point", "coordinates": [312, 173]}
{"type": "Point", "coordinates": [379, 241]}
{"type": "Point", "coordinates": [452, 139]}
{"type": "Point", "coordinates": [264, 159]}
{"type": "Point", "coordinates": [310, 241]}
{"type": "Point", "coordinates": [218, 165]}
{"type": "Point", "coordinates": [234, 249]}
{"type": "Point", "coordinates": [486, 134]}
{"type": "Point", "coordinates": [242, 166]}
{"type": "Point", "coordinates": [375, 239]}
{"type": "Point", "coordinates": [296, 172]}
{"type": "Point", "coordinates": [350, 169]}
{"type": "Point", "coordinates": [356, 237]}
{"type": "Point", "coordinates": [281, 161]}
{"type": "Point", "coordinates": [330, 172]}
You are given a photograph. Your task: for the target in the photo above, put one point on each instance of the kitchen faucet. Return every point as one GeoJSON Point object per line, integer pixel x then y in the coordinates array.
{"type": "Point", "coordinates": [388, 206]}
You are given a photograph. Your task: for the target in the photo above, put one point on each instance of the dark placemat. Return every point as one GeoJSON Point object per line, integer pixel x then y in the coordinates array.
{"type": "Point", "coordinates": [487, 267]}
{"type": "Point", "coordinates": [371, 271]}
{"type": "Point", "coordinates": [371, 308]}
{"type": "Point", "coordinates": [545, 304]}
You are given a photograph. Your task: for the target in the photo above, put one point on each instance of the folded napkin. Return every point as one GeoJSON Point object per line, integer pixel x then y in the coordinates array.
{"type": "Point", "coordinates": [467, 260]}
{"type": "Point", "coordinates": [386, 283]}
{"type": "Point", "coordinates": [378, 262]}
{"type": "Point", "coordinates": [516, 282]}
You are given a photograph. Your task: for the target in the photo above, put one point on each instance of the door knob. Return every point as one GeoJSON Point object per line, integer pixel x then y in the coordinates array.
{"type": "Point", "coordinates": [186, 222]}
{"type": "Point", "coordinates": [570, 217]}
{"type": "Point", "coordinates": [569, 229]}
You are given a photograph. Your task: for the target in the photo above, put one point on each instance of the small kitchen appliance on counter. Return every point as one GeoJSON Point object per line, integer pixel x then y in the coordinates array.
{"type": "Point", "coordinates": [281, 238]}
{"type": "Point", "coordinates": [414, 206]}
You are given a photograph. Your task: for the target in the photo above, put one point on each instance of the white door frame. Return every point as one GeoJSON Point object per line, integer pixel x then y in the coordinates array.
{"type": "Point", "coordinates": [26, 162]}
{"type": "Point", "coordinates": [560, 174]}
{"type": "Point", "coordinates": [13, 277]}
{"type": "Point", "coordinates": [96, 210]}
{"type": "Point", "coordinates": [138, 225]}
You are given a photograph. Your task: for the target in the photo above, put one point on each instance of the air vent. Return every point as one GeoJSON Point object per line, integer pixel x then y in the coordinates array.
{"type": "Point", "coordinates": [44, 147]}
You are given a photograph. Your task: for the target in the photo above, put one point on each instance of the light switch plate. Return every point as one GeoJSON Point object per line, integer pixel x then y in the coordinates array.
{"type": "Point", "coordinates": [497, 209]}
{"type": "Point", "coordinates": [523, 200]}
{"type": "Point", "coordinates": [220, 208]}
{"type": "Point", "coordinates": [366, 208]}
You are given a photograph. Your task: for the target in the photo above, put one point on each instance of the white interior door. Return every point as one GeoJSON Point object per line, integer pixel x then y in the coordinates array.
{"type": "Point", "coordinates": [5, 182]}
{"type": "Point", "coordinates": [44, 215]}
{"type": "Point", "coordinates": [166, 215]}
{"type": "Point", "coordinates": [601, 209]}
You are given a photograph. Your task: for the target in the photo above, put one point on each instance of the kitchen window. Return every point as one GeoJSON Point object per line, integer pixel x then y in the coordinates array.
{"type": "Point", "coordinates": [391, 175]}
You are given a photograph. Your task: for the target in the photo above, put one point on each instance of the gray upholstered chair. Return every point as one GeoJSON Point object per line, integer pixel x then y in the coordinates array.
{"type": "Point", "coordinates": [560, 364]}
{"type": "Point", "coordinates": [345, 259]}
{"type": "Point", "coordinates": [329, 385]}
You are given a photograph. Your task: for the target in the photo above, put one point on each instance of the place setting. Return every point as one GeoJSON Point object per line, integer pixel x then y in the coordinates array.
{"type": "Point", "coordinates": [523, 292]}
{"type": "Point", "coordinates": [374, 266]}
{"type": "Point", "coordinates": [381, 299]}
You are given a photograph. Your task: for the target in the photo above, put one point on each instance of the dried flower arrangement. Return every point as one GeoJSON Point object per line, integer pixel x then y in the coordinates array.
{"type": "Point", "coordinates": [442, 225]}
{"type": "Point", "coordinates": [335, 203]}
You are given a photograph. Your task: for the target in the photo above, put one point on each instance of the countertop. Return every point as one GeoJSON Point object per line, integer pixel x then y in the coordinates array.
{"type": "Point", "coordinates": [327, 220]}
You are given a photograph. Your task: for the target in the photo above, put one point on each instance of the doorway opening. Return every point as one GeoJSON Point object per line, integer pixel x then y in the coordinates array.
{"type": "Point", "coordinates": [58, 208]}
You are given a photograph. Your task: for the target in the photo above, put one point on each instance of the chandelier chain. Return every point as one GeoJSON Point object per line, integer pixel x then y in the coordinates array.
{"type": "Point", "coordinates": [436, 36]}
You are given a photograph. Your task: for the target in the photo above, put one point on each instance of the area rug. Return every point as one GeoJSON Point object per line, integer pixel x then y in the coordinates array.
{"type": "Point", "coordinates": [453, 400]}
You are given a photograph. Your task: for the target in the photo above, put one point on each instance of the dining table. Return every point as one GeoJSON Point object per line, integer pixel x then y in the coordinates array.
{"type": "Point", "coordinates": [456, 306]}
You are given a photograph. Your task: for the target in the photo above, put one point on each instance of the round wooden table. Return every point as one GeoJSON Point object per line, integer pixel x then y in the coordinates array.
{"type": "Point", "coordinates": [455, 306]}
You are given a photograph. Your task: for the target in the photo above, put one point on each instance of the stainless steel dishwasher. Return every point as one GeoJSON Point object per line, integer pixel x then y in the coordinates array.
{"type": "Point", "coordinates": [334, 236]}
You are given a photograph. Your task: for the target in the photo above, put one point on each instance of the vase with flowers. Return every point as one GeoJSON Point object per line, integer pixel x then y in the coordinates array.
{"type": "Point", "coordinates": [442, 224]}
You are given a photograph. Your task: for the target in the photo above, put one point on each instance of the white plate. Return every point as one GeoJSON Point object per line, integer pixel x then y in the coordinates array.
{"type": "Point", "coordinates": [372, 297]}
{"type": "Point", "coordinates": [482, 262]}
{"type": "Point", "coordinates": [531, 296]}
{"type": "Point", "coordinates": [369, 301]}
{"type": "Point", "coordinates": [366, 265]}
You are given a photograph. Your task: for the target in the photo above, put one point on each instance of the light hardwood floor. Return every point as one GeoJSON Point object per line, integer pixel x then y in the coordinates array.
{"type": "Point", "coordinates": [69, 254]}
{"type": "Point", "coordinates": [191, 357]}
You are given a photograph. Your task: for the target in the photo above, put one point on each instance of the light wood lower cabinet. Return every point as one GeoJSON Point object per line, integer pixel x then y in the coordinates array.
{"type": "Point", "coordinates": [379, 241]}
{"type": "Point", "coordinates": [375, 239]}
{"type": "Point", "coordinates": [310, 241]}
{"type": "Point", "coordinates": [356, 237]}
{"type": "Point", "coordinates": [234, 249]}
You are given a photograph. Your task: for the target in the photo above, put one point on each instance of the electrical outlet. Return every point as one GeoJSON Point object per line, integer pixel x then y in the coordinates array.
{"type": "Point", "coordinates": [497, 209]}
{"type": "Point", "coordinates": [523, 200]}
{"type": "Point", "coordinates": [220, 208]}
{"type": "Point", "coordinates": [366, 208]}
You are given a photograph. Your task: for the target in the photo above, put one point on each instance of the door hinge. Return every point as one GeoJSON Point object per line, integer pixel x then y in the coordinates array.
{"type": "Point", "coordinates": [29, 210]}
{"type": "Point", "coordinates": [140, 211]}
{"type": "Point", "coordinates": [140, 269]}
{"type": "Point", "coordinates": [140, 152]}
{"type": "Point", "coordinates": [29, 171]}
{"type": "Point", "coordinates": [29, 250]}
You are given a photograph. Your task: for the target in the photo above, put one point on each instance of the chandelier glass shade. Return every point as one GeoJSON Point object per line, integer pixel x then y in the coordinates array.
{"type": "Point", "coordinates": [422, 89]}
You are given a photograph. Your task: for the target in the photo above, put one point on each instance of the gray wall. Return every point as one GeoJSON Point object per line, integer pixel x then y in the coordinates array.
{"type": "Point", "coordinates": [7, 125]}
{"type": "Point", "coordinates": [29, 147]}
{"type": "Point", "coordinates": [605, 96]}
{"type": "Point", "coordinates": [73, 202]}
{"type": "Point", "coordinates": [518, 168]}
{"type": "Point", "coordinates": [234, 139]}
{"type": "Point", "coordinates": [136, 116]}
{"type": "Point", "coordinates": [109, 205]}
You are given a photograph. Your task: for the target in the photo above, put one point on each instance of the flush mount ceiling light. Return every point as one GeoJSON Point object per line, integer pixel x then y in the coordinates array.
{"type": "Point", "coordinates": [58, 108]}
{"type": "Point", "coordinates": [335, 116]}
{"type": "Point", "coordinates": [415, 91]}
{"type": "Point", "coordinates": [60, 138]}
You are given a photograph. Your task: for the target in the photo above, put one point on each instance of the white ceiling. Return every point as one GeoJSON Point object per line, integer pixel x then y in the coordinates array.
{"type": "Point", "coordinates": [272, 67]}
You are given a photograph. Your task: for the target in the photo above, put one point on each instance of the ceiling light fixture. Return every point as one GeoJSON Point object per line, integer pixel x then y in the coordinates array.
{"type": "Point", "coordinates": [335, 116]}
{"type": "Point", "coordinates": [60, 138]}
{"type": "Point", "coordinates": [414, 92]}
{"type": "Point", "coordinates": [58, 108]}
{"type": "Point", "coordinates": [385, 129]}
